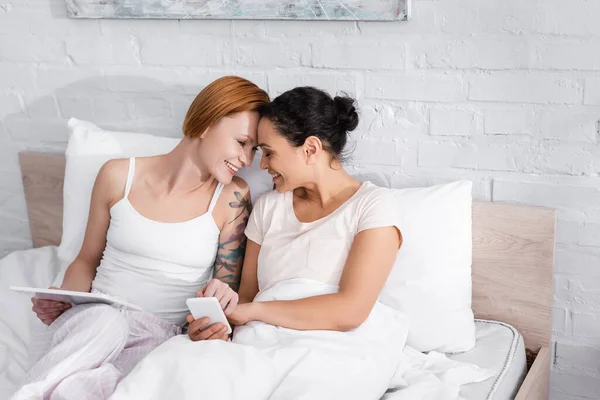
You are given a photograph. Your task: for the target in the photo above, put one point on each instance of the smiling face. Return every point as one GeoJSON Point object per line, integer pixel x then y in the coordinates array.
{"type": "Point", "coordinates": [230, 144]}
{"type": "Point", "coordinates": [283, 161]}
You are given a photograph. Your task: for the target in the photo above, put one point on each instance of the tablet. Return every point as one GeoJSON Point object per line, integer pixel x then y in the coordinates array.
{"type": "Point", "coordinates": [201, 307]}
{"type": "Point", "coordinates": [72, 297]}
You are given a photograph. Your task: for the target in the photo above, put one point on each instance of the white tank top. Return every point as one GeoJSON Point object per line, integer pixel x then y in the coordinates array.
{"type": "Point", "coordinates": [157, 265]}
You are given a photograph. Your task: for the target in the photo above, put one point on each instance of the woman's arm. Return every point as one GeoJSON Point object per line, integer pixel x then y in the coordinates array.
{"type": "Point", "coordinates": [249, 284]}
{"type": "Point", "coordinates": [82, 271]}
{"type": "Point", "coordinates": [369, 263]}
{"type": "Point", "coordinates": [232, 241]}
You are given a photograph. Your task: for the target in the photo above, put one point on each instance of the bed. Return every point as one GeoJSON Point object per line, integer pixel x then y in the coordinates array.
{"type": "Point", "coordinates": [513, 256]}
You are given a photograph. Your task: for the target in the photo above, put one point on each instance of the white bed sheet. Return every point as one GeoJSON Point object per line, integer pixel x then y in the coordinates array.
{"type": "Point", "coordinates": [39, 267]}
{"type": "Point", "coordinates": [34, 267]}
{"type": "Point", "coordinates": [501, 348]}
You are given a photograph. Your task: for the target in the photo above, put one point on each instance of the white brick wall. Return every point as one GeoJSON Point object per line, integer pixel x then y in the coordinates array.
{"type": "Point", "coordinates": [505, 93]}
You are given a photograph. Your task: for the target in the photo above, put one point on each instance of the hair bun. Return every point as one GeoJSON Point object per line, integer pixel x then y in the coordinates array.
{"type": "Point", "coordinates": [347, 117]}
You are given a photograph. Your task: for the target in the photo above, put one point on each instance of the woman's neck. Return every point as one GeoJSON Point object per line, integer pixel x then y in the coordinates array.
{"type": "Point", "coordinates": [182, 170]}
{"type": "Point", "coordinates": [332, 187]}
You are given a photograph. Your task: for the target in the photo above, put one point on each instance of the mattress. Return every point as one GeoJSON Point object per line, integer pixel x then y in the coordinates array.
{"type": "Point", "coordinates": [499, 347]}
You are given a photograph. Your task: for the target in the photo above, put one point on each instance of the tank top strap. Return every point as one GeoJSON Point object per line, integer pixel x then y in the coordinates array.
{"type": "Point", "coordinates": [130, 176]}
{"type": "Point", "coordinates": [215, 197]}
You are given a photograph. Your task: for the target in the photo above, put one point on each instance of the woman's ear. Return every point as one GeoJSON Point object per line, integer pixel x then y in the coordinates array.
{"type": "Point", "coordinates": [312, 147]}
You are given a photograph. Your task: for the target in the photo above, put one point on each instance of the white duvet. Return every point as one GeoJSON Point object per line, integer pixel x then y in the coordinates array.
{"type": "Point", "coordinates": [262, 362]}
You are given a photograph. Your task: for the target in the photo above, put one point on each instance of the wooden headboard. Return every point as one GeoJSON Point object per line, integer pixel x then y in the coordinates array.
{"type": "Point", "coordinates": [513, 250]}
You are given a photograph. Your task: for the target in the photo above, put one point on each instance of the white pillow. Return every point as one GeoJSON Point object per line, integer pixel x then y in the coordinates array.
{"type": "Point", "coordinates": [88, 149]}
{"type": "Point", "coordinates": [431, 278]}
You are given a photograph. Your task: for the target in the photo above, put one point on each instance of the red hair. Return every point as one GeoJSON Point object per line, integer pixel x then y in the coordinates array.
{"type": "Point", "coordinates": [225, 96]}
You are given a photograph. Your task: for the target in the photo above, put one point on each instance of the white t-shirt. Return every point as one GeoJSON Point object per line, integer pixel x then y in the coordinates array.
{"type": "Point", "coordinates": [315, 250]}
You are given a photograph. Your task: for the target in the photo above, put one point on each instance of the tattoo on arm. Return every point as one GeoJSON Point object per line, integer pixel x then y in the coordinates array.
{"type": "Point", "coordinates": [232, 244]}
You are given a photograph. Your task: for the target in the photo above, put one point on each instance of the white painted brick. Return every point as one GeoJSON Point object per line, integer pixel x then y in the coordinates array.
{"type": "Point", "coordinates": [75, 107]}
{"type": "Point", "coordinates": [41, 107]}
{"type": "Point", "coordinates": [45, 24]}
{"type": "Point", "coordinates": [9, 159]}
{"type": "Point", "coordinates": [69, 79]}
{"type": "Point", "coordinates": [4, 132]}
{"type": "Point", "coordinates": [452, 122]}
{"type": "Point", "coordinates": [332, 83]}
{"type": "Point", "coordinates": [285, 29]}
{"type": "Point", "coordinates": [568, 124]}
{"type": "Point", "coordinates": [9, 104]}
{"type": "Point", "coordinates": [498, 157]}
{"type": "Point", "coordinates": [415, 86]}
{"type": "Point", "coordinates": [31, 49]}
{"type": "Point", "coordinates": [143, 80]}
{"type": "Point", "coordinates": [508, 122]}
{"type": "Point", "coordinates": [270, 55]}
{"type": "Point", "coordinates": [102, 50]}
{"type": "Point", "coordinates": [592, 92]}
{"type": "Point", "coordinates": [216, 28]}
{"type": "Point", "coordinates": [465, 53]}
{"type": "Point", "coordinates": [352, 55]}
{"type": "Point", "coordinates": [586, 325]}
{"type": "Point", "coordinates": [13, 20]}
{"type": "Point", "coordinates": [567, 231]}
{"type": "Point", "coordinates": [145, 28]}
{"type": "Point", "coordinates": [525, 87]}
{"type": "Point", "coordinates": [180, 106]}
{"type": "Point", "coordinates": [17, 77]}
{"type": "Point", "coordinates": [253, 29]}
{"type": "Point", "coordinates": [12, 227]}
{"type": "Point", "coordinates": [52, 131]}
{"type": "Point", "coordinates": [527, 157]}
{"type": "Point", "coordinates": [381, 152]}
{"type": "Point", "coordinates": [577, 355]}
{"type": "Point", "coordinates": [577, 17]}
{"type": "Point", "coordinates": [151, 108]}
{"type": "Point", "coordinates": [589, 234]}
{"type": "Point", "coordinates": [514, 16]}
{"type": "Point", "coordinates": [113, 108]}
{"type": "Point", "coordinates": [457, 18]}
{"type": "Point", "coordinates": [559, 158]}
{"type": "Point", "coordinates": [559, 318]}
{"type": "Point", "coordinates": [12, 203]}
{"type": "Point", "coordinates": [545, 194]}
{"type": "Point", "coordinates": [426, 18]}
{"type": "Point", "coordinates": [184, 51]}
{"type": "Point", "coordinates": [567, 55]}
{"type": "Point", "coordinates": [585, 285]}
{"type": "Point", "coordinates": [561, 286]}
{"type": "Point", "coordinates": [391, 121]}
{"type": "Point", "coordinates": [575, 261]}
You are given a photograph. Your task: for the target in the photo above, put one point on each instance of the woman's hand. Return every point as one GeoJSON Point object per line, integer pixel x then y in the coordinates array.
{"type": "Point", "coordinates": [198, 330]}
{"type": "Point", "coordinates": [48, 310]}
{"type": "Point", "coordinates": [243, 314]}
{"type": "Point", "coordinates": [224, 294]}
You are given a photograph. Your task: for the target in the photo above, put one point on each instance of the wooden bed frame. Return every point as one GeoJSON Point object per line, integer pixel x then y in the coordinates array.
{"type": "Point", "coordinates": [513, 258]}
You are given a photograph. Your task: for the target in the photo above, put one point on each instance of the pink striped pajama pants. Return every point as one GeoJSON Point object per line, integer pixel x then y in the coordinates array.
{"type": "Point", "coordinates": [88, 349]}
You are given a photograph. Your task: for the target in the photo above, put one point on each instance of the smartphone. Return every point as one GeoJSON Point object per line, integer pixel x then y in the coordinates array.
{"type": "Point", "coordinates": [201, 307]}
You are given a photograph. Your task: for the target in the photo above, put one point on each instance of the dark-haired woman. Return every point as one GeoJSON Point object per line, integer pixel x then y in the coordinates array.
{"type": "Point", "coordinates": [320, 249]}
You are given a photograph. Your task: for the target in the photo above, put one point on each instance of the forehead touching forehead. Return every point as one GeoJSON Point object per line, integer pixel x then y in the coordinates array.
{"type": "Point", "coordinates": [241, 124]}
{"type": "Point", "coordinates": [267, 134]}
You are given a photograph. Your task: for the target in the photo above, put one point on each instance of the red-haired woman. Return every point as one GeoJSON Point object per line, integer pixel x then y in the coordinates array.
{"type": "Point", "coordinates": [159, 228]}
